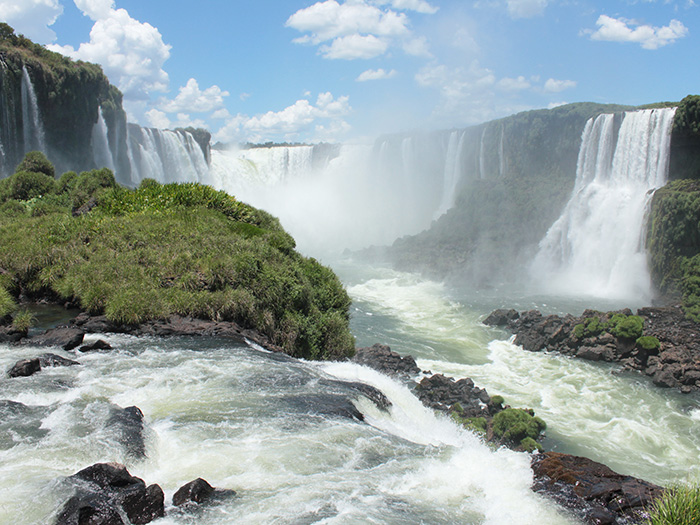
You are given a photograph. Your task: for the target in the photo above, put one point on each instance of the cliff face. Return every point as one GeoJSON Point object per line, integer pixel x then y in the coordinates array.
{"type": "Point", "coordinates": [49, 102]}
{"type": "Point", "coordinates": [525, 172]}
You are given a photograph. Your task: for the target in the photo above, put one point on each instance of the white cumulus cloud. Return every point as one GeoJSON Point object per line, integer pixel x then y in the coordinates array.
{"type": "Point", "coordinates": [557, 86]}
{"type": "Point", "coordinates": [131, 53]}
{"type": "Point", "coordinates": [359, 29]}
{"type": "Point", "coordinates": [376, 74]}
{"type": "Point", "coordinates": [191, 98]}
{"type": "Point", "coordinates": [32, 18]}
{"type": "Point", "coordinates": [623, 30]}
{"type": "Point", "coordinates": [514, 84]}
{"type": "Point", "coordinates": [299, 119]}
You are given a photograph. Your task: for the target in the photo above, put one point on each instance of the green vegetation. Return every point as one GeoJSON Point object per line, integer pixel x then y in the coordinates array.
{"type": "Point", "coordinates": [673, 233]}
{"type": "Point", "coordinates": [22, 321]}
{"type": "Point", "coordinates": [515, 425]}
{"type": "Point", "coordinates": [648, 343]}
{"type": "Point", "coordinates": [475, 424]}
{"type": "Point", "coordinates": [687, 118]}
{"type": "Point", "coordinates": [620, 325]}
{"type": "Point", "coordinates": [160, 250]}
{"type": "Point", "coordinates": [678, 506]}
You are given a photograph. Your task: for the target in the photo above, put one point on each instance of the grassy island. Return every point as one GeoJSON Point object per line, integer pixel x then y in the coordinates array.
{"type": "Point", "coordinates": [158, 250]}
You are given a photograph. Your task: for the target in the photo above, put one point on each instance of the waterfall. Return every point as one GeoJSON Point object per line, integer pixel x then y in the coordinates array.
{"type": "Point", "coordinates": [452, 172]}
{"type": "Point", "coordinates": [482, 155]}
{"type": "Point", "coordinates": [100, 144]}
{"type": "Point", "coordinates": [31, 120]}
{"type": "Point", "coordinates": [596, 246]}
{"type": "Point", "coordinates": [165, 155]}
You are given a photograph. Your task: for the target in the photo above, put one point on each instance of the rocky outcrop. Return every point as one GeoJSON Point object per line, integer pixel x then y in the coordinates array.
{"type": "Point", "coordinates": [126, 426]}
{"type": "Point", "coordinates": [64, 337]}
{"type": "Point", "coordinates": [106, 490]}
{"type": "Point", "coordinates": [25, 368]}
{"type": "Point", "coordinates": [175, 325]}
{"type": "Point", "coordinates": [666, 347]}
{"type": "Point", "coordinates": [591, 490]}
{"type": "Point", "coordinates": [382, 358]}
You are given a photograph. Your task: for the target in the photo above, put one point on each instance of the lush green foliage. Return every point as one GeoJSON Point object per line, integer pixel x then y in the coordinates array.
{"type": "Point", "coordinates": [678, 506]}
{"type": "Point", "coordinates": [626, 326]}
{"type": "Point", "coordinates": [648, 343]}
{"type": "Point", "coordinates": [513, 425]}
{"type": "Point", "coordinates": [618, 324]}
{"type": "Point", "coordinates": [7, 304]}
{"type": "Point", "coordinates": [674, 242]}
{"type": "Point", "coordinates": [22, 321]}
{"type": "Point", "coordinates": [687, 119]}
{"type": "Point", "coordinates": [25, 185]}
{"type": "Point", "coordinates": [174, 249]}
{"type": "Point", "coordinates": [37, 162]}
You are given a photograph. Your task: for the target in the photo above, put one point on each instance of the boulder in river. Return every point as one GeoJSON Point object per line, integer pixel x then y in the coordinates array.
{"type": "Point", "coordinates": [104, 490]}
{"type": "Point", "coordinates": [25, 368]}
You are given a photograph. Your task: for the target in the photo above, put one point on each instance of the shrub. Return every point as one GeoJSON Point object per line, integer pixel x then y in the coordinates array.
{"type": "Point", "coordinates": [590, 327]}
{"type": "Point", "coordinates": [36, 162]}
{"type": "Point", "coordinates": [66, 182]}
{"type": "Point", "coordinates": [648, 343]}
{"type": "Point", "coordinates": [678, 506]}
{"type": "Point", "coordinates": [22, 321]}
{"type": "Point", "coordinates": [25, 185]}
{"type": "Point", "coordinates": [626, 326]}
{"type": "Point", "coordinates": [89, 183]}
{"type": "Point", "coordinates": [513, 425]}
{"type": "Point", "coordinates": [7, 303]}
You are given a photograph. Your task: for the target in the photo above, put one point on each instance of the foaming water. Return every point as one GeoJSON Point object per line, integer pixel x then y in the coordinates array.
{"type": "Point", "coordinates": [591, 409]}
{"type": "Point", "coordinates": [262, 424]}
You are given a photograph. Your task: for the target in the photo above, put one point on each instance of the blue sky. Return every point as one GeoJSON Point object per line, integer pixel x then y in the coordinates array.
{"type": "Point", "coordinates": [339, 70]}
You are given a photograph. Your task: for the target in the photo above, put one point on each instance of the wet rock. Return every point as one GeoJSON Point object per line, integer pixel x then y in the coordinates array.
{"type": "Point", "coordinates": [443, 393]}
{"type": "Point", "coordinates": [597, 353]}
{"type": "Point", "coordinates": [104, 490]}
{"type": "Point", "coordinates": [382, 358]}
{"type": "Point", "coordinates": [126, 426]}
{"type": "Point", "coordinates": [326, 405]}
{"type": "Point", "coordinates": [100, 344]}
{"type": "Point", "coordinates": [373, 394]}
{"type": "Point", "coordinates": [64, 337]}
{"type": "Point", "coordinates": [52, 360]}
{"type": "Point", "coordinates": [501, 317]}
{"type": "Point", "coordinates": [592, 490]}
{"type": "Point", "coordinates": [25, 368]}
{"type": "Point", "coordinates": [195, 491]}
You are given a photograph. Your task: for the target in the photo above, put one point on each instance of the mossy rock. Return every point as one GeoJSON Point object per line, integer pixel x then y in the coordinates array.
{"type": "Point", "coordinates": [513, 425]}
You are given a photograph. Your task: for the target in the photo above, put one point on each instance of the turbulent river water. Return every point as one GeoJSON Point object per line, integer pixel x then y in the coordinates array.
{"type": "Point", "coordinates": [272, 428]}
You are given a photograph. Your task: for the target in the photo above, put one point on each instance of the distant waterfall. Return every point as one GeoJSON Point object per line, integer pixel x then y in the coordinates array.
{"type": "Point", "coordinates": [165, 155]}
{"type": "Point", "coordinates": [31, 120]}
{"type": "Point", "coordinates": [452, 172]}
{"type": "Point", "coordinates": [100, 144]}
{"type": "Point", "coordinates": [596, 247]}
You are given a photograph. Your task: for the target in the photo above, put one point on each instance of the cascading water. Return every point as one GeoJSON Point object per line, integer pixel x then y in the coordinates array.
{"type": "Point", "coordinates": [452, 173]}
{"type": "Point", "coordinates": [165, 155]}
{"type": "Point", "coordinates": [31, 119]}
{"type": "Point", "coordinates": [596, 247]}
{"type": "Point", "coordinates": [100, 143]}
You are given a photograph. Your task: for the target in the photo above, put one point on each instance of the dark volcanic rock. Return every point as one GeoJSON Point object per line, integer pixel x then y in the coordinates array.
{"type": "Point", "coordinates": [195, 491]}
{"type": "Point", "coordinates": [25, 368]}
{"type": "Point", "coordinates": [51, 360]}
{"type": "Point", "coordinates": [591, 490]}
{"type": "Point", "coordinates": [382, 358]}
{"type": "Point", "coordinates": [65, 337]}
{"type": "Point", "coordinates": [100, 344]}
{"type": "Point", "coordinates": [8, 334]}
{"type": "Point", "coordinates": [442, 393]}
{"type": "Point", "coordinates": [501, 317]}
{"type": "Point", "coordinates": [105, 489]}
{"type": "Point", "coordinates": [126, 425]}
{"type": "Point", "coordinates": [675, 364]}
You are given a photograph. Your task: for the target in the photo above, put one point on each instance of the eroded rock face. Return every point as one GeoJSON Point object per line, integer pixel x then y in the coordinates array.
{"type": "Point", "coordinates": [591, 490]}
{"type": "Point", "coordinates": [103, 490]}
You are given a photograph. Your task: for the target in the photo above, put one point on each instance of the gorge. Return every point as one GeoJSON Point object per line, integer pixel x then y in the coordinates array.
{"type": "Point", "coordinates": [479, 211]}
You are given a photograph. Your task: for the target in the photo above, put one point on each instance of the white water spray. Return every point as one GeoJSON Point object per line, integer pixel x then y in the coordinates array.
{"type": "Point", "coordinates": [596, 246]}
